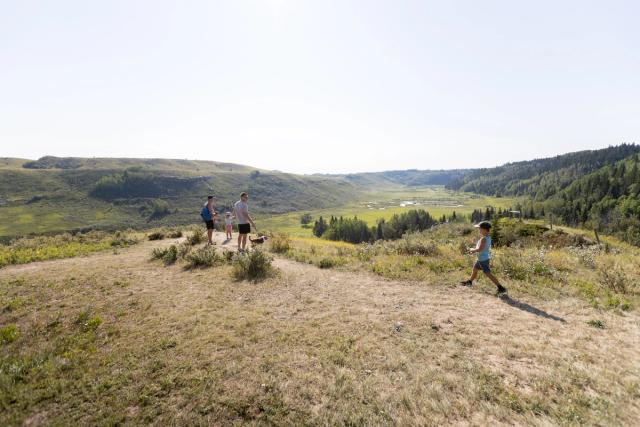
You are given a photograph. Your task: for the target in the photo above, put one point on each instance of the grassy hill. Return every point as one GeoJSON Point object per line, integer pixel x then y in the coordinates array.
{"type": "Point", "coordinates": [56, 194]}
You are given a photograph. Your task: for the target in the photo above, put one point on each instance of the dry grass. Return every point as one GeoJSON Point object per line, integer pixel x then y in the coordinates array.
{"type": "Point", "coordinates": [115, 338]}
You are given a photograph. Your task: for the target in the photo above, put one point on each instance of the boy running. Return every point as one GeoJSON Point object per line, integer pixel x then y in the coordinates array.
{"type": "Point", "coordinates": [482, 263]}
{"type": "Point", "coordinates": [241, 212]}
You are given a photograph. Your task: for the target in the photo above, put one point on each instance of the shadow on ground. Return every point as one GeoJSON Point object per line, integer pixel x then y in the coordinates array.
{"type": "Point", "coordinates": [530, 309]}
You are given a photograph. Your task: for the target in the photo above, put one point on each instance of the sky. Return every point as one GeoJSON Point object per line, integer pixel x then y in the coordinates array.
{"type": "Point", "coordinates": [319, 86]}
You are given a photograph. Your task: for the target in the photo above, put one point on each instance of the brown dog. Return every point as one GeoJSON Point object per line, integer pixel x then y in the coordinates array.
{"type": "Point", "coordinates": [258, 240]}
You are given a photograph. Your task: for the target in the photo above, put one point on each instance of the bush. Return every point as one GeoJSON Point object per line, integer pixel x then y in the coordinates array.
{"type": "Point", "coordinates": [513, 267]}
{"type": "Point", "coordinates": [176, 234]}
{"type": "Point", "coordinates": [156, 236]}
{"type": "Point", "coordinates": [196, 237]}
{"type": "Point", "coordinates": [613, 277]}
{"type": "Point", "coordinates": [413, 244]}
{"type": "Point", "coordinates": [254, 265]}
{"type": "Point", "coordinates": [305, 219]}
{"type": "Point", "coordinates": [280, 243]}
{"type": "Point", "coordinates": [228, 255]}
{"type": "Point", "coordinates": [597, 323]}
{"type": "Point", "coordinates": [327, 263]}
{"type": "Point", "coordinates": [203, 257]}
{"type": "Point", "coordinates": [159, 208]}
{"type": "Point", "coordinates": [183, 249]}
{"type": "Point", "coordinates": [171, 256]}
{"type": "Point", "coordinates": [8, 334]}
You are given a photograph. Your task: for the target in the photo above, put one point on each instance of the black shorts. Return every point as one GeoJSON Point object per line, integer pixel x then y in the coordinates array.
{"type": "Point", "coordinates": [209, 224]}
{"type": "Point", "coordinates": [482, 265]}
{"type": "Point", "coordinates": [244, 228]}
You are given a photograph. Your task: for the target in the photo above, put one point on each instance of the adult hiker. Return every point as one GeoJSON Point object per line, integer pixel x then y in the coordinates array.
{"type": "Point", "coordinates": [244, 220]}
{"type": "Point", "coordinates": [209, 215]}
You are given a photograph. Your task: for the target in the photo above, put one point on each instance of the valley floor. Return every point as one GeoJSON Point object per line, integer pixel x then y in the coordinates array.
{"type": "Point", "coordinates": [114, 338]}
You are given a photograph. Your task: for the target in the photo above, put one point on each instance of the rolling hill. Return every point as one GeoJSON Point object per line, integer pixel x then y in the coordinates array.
{"type": "Point", "coordinates": [56, 194]}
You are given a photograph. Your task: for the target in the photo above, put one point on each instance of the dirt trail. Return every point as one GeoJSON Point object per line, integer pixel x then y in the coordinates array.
{"type": "Point", "coordinates": [516, 336]}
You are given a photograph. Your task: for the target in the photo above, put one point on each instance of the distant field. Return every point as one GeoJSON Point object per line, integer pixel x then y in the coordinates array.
{"type": "Point", "coordinates": [385, 203]}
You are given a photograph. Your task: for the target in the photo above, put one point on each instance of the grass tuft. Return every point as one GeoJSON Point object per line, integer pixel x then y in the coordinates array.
{"type": "Point", "coordinates": [254, 266]}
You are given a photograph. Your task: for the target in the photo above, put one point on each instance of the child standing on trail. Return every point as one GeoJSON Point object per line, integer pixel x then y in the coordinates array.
{"type": "Point", "coordinates": [482, 263]}
{"type": "Point", "coordinates": [228, 225]}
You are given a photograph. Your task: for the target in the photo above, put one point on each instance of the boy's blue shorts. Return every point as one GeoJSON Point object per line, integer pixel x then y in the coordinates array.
{"type": "Point", "coordinates": [482, 265]}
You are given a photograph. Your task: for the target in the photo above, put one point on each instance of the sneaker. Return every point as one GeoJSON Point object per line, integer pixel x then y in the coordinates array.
{"type": "Point", "coordinates": [466, 283]}
{"type": "Point", "coordinates": [501, 290]}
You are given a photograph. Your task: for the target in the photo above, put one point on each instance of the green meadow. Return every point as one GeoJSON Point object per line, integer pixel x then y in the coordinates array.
{"type": "Point", "coordinates": [385, 203]}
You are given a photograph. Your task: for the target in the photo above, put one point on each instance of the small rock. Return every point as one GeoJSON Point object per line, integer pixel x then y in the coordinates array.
{"type": "Point", "coordinates": [435, 327]}
{"type": "Point", "coordinates": [398, 327]}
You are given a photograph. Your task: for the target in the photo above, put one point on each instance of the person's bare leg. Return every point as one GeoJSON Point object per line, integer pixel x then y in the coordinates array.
{"type": "Point", "coordinates": [493, 279]}
{"type": "Point", "coordinates": [501, 289]}
{"type": "Point", "coordinates": [209, 235]}
{"type": "Point", "coordinates": [474, 275]}
{"type": "Point", "coordinates": [244, 241]}
{"type": "Point", "coordinates": [239, 242]}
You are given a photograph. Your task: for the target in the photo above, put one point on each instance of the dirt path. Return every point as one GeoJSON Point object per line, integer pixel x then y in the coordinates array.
{"type": "Point", "coordinates": [409, 338]}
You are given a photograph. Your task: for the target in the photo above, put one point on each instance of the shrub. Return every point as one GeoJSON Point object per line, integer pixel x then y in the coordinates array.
{"type": "Point", "coordinates": [156, 236]}
{"type": "Point", "coordinates": [196, 237]}
{"type": "Point", "coordinates": [227, 255]}
{"type": "Point", "coordinates": [280, 243]}
{"type": "Point", "coordinates": [171, 256]}
{"type": "Point", "coordinates": [327, 263]}
{"type": "Point", "coordinates": [305, 219]}
{"type": "Point", "coordinates": [596, 323]}
{"type": "Point", "coordinates": [8, 334]}
{"type": "Point", "coordinates": [254, 265]}
{"type": "Point", "coordinates": [183, 249]}
{"type": "Point", "coordinates": [159, 208]}
{"type": "Point", "coordinates": [613, 277]}
{"type": "Point", "coordinates": [176, 234]}
{"type": "Point", "coordinates": [412, 244]}
{"type": "Point", "coordinates": [513, 267]}
{"type": "Point", "coordinates": [158, 253]}
{"type": "Point", "coordinates": [203, 257]}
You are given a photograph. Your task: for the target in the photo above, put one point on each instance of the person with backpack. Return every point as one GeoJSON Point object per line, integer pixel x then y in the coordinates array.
{"type": "Point", "coordinates": [209, 215]}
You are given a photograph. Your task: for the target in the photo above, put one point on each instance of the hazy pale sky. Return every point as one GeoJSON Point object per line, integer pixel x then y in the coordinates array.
{"type": "Point", "coordinates": [319, 86]}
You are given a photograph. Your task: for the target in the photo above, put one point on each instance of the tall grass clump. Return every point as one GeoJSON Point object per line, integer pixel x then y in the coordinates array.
{"type": "Point", "coordinates": [414, 244]}
{"type": "Point", "coordinates": [167, 255]}
{"type": "Point", "coordinates": [196, 237]}
{"type": "Point", "coordinates": [255, 265]}
{"type": "Point", "coordinates": [613, 277]}
{"type": "Point", "coordinates": [280, 243]}
{"type": "Point", "coordinates": [157, 235]}
{"type": "Point", "coordinates": [175, 234]}
{"type": "Point", "coordinates": [203, 257]}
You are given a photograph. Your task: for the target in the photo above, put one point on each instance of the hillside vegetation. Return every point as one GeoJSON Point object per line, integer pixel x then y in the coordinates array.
{"type": "Point", "coordinates": [596, 189]}
{"type": "Point", "coordinates": [59, 194]}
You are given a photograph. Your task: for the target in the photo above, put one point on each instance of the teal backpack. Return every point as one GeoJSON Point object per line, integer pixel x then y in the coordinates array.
{"type": "Point", "coordinates": [205, 214]}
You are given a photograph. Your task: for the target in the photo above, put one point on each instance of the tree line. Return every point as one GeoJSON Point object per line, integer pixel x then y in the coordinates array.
{"type": "Point", "coordinates": [355, 230]}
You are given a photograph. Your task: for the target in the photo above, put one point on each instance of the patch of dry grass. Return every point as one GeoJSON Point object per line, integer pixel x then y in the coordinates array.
{"type": "Point", "coordinates": [117, 339]}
